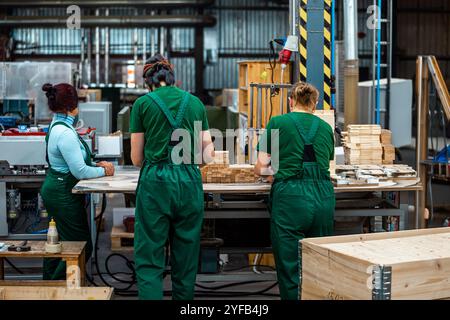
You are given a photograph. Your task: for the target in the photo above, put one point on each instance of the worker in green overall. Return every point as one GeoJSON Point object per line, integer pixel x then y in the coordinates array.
{"type": "Point", "coordinates": [169, 137]}
{"type": "Point", "coordinates": [294, 153]}
{"type": "Point", "coordinates": [70, 160]}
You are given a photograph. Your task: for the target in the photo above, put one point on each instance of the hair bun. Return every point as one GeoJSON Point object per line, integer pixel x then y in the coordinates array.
{"type": "Point", "coordinates": [47, 87]}
{"type": "Point", "coordinates": [50, 90]}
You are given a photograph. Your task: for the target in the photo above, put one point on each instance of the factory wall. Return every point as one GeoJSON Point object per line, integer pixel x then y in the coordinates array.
{"type": "Point", "coordinates": [423, 28]}
{"type": "Point", "coordinates": [243, 31]}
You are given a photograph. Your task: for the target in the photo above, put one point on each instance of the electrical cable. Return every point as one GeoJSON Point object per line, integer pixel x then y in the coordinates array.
{"type": "Point", "coordinates": [130, 264]}
{"type": "Point", "coordinates": [13, 266]}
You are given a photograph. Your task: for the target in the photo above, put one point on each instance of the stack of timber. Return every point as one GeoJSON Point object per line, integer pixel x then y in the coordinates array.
{"type": "Point", "coordinates": [388, 148]}
{"type": "Point", "coordinates": [410, 265]}
{"type": "Point", "coordinates": [362, 145]}
{"type": "Point", "coordinates": [220, 171]}
{"type": "Point", "coordinates": [364, 175]}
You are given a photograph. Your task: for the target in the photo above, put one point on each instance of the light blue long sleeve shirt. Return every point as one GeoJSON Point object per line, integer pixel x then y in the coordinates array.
{"type": "Point", "coordinates": [66, 152]}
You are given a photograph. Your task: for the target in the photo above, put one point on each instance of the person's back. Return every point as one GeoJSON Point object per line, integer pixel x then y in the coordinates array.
{"type": "Point", "coordinates": [291, 145]}
{"type": "Point", "coordinates": [150, 120]}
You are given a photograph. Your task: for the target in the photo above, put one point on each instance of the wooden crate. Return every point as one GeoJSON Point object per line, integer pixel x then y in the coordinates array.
{"type": "Point", "coordinates": [121, 240]}
{"type": "Point", "coordinates": [259, 71]}
{"type": "Point", "coordinates": [55, 293]}
{"type": "Point", "coordinates": [411, 264]}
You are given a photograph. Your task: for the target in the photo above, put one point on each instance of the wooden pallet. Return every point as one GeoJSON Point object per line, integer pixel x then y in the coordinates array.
{"type": "Point", "coordinates": [121, 240]}
{"type": "Point", "coordinates": [54, 293]}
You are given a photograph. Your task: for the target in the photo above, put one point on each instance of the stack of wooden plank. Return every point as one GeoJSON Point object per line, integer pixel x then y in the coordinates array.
{"type": "Point", "coordinates": [388, 148]}
{"type": "Point", "coordinates": [362, 145]}
{"type": "Point", "coordinates": [220, 171]}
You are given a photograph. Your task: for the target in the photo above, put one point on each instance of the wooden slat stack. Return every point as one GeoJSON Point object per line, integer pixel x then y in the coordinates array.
{"type": "Point", "coordinates": [362, 145]}
{"type": "Point", "coordinates": [388, 148]}
{"type": "Point", "coordinates": [220, 171]}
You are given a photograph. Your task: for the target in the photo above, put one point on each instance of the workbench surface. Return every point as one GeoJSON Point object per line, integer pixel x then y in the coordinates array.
{"type": "Point", "coordinates": [126, 178]}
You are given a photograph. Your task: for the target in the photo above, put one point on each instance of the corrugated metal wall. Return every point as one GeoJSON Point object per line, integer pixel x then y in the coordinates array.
{"type": "Point", "coordinates": [241, 34]}
{"type": "Point", "coordinates": [423, 28]}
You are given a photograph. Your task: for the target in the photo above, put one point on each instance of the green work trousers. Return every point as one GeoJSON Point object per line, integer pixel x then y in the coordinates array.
{"type": "Point", "coordinates": [169, 205]}
{"type": "Point", "coordinates": [300, 208]}
{"type": "Point", "coordinates": [70, 215]}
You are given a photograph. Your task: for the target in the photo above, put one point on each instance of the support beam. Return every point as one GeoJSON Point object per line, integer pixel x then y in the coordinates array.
{"type": "Point", "coordinates": [199, 62]}
{"type": "Point", "coordinates": [110, 21]}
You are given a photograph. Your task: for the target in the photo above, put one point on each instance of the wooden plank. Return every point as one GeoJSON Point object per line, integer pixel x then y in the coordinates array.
{"type": "Point", "coordinates": [33, 283]}
{"type": "Point", "coordinates": [2, 268]}
{"type": "Point", "coordinates": [375, 236]}
{"type": "Point", "coordinates": [69, 249]}
{"type": "Point", "coordinates": [56, 293]}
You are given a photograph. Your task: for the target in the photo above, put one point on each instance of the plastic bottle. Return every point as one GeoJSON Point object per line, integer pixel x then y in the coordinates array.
{"type": "Point", "coordinates": [52, 233]}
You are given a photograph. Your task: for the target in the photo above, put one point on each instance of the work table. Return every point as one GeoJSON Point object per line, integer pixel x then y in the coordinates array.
{"type": "Point", "coordinates": [126, 178]}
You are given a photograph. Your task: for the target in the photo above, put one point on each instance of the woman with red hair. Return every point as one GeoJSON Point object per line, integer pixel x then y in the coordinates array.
{"type": "Point", "coordinates": [70, 160]}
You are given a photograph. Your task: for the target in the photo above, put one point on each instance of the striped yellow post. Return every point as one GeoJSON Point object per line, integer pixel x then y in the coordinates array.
{"type": "Point", "coordinates": [303, 39]}
{"type": "Point", "coordinates": [327, 56]}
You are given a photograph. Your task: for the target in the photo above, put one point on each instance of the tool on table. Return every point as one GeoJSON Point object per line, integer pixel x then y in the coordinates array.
{"type": "Point", "coordinates": [53, 245]}
{"type": "Point", "coordinates": [20, 248]}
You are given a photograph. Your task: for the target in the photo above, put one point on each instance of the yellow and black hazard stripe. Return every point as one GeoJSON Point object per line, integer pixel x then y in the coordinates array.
{"type": "Point", "coordinates": [327, 56]}
{"type": "Point", "coordinates": [303, 39]}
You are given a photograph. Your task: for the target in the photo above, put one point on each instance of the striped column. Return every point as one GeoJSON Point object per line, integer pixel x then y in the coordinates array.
{"type": "Point", "coordinates": [327, 56]}
{"type": "Point", "coordinates": [303, 39]}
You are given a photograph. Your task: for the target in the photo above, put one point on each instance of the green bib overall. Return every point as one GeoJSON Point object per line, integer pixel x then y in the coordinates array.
{"type": "Point", "coordinates": [67, 209]}
{"type": "Point", "coordinates": [301, 206]}
{"type": "Point", "coordinates": [169, 204]}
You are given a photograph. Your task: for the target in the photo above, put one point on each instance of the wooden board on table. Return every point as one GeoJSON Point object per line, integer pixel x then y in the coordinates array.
{"type": "Point", "coordinates": [55, 293]}
{"type": "Point", "coordinates": [341, 267]}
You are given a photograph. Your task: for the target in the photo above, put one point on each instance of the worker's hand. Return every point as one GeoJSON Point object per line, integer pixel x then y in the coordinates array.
{"type": "Point", "coordinates": [269, 179]}
{"type": "Point", "coordinates": [108, 166]}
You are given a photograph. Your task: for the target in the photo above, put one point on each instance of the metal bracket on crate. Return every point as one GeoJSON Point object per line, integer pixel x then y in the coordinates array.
{"type": "Point", "coordinates": [300, 270]}
{"type": "Point", "coordinates": [381, 281]}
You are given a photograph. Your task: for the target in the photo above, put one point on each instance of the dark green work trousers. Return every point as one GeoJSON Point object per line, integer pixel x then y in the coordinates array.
{"type": "Point", "coordinates": [301, 207]}
{"type": "Point", "coordinates": [169, 205]}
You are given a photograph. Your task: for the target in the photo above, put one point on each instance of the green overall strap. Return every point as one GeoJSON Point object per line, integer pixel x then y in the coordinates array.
{"type": "Point", "coordinates": [175, 123]}
{"type": "Point", "coordinates": [309, 139]}
{"type": "Point", "coordinates": [309, 154]}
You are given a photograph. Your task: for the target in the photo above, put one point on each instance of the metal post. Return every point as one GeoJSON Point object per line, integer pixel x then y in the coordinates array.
{"type": "Point", "coordinates": [107, 51]}
{"type": "Point", "coordinates": [97, 52]}
{"type": "Point", "coordinates": [422, 83]}
{"type": "Point", "coordinates": [82, 49]}
{"type": "Point", "coordinates": [93, 233]}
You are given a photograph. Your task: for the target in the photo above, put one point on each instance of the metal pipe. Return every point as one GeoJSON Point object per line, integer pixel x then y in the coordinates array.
{"type": "Point", "coordinates": [135, 50]}
{"type": "Point", "coordinates": [82, 49]}
{"type": "Point", "coordinates": [351, 29]}
{"type": "Point", "coordinates": [351, 69]}
{"type": "Point", "coordinates": [107, 51]}
{"type": "Point", "coordinates": [97, 52]}
{"type": "Point", "coordinates": [111, 21]}
{"type": "Point", "coordinates": [89, 57]}
{"type": "Point", "coordinates": [259, 108]}
{"type": "Point", "coordinates": [292, 16]}
{"type": "Point", "coordinates": [110, 3]}
{"type": "Point", "coordinates": [144, 45]}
